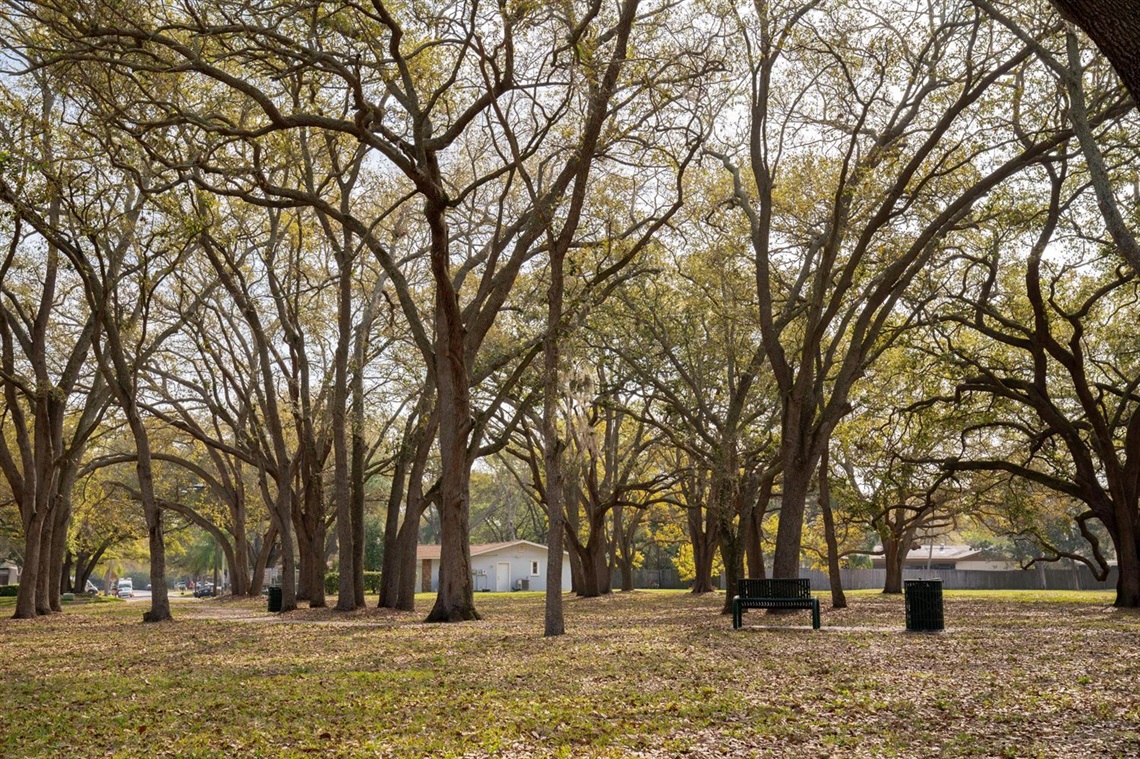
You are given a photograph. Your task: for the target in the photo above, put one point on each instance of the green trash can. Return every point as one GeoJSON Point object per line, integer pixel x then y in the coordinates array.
{"type": "Point", "coordinates": [923, 605]}
{"type": "Point", "coordinates": [275, 599]}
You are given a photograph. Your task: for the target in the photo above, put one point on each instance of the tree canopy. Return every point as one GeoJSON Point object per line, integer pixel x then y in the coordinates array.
{"type": "Point", "coordinates": [315, 283]}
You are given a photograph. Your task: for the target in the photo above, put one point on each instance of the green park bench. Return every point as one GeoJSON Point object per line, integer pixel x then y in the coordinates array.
{"type": "Point", "coordinates": [774, 594]}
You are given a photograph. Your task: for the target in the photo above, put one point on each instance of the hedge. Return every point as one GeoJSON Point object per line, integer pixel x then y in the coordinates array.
{"type": "Point", "coordinates": [9, 591]}
{"type": "Point", "coordinates": [371, 582]}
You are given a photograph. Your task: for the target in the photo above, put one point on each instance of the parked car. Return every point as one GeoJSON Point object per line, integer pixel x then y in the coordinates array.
{"type": "Point", "coordinates": [91, 590]}
{"type": "Point", "coordinates": [204, 590]}
{"type": "Point", "coordinates": [126, 588]}
{"type": "Point", "coordinates": [180, 586]}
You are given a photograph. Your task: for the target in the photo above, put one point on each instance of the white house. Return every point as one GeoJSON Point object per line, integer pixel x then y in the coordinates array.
{"type": "Point", "coordinates": [9, 573]}
{"type": "Point", "coordinates": [951, 557]}
{"type": "Point", "coordinates": [498, 567]}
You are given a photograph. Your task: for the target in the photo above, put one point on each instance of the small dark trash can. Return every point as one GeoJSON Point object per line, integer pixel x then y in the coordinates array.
{"type": "Point", "coordinates": [923, 605]}
{"type": "Point", "coordinates": [275, 599]}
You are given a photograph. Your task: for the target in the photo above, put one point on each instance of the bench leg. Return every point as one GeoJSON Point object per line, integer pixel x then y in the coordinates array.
{"type": "Point", "coordinates": [815, 614]}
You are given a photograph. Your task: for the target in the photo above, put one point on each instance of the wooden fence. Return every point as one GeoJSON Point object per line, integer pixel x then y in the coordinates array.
{"type": "Point", "coordinates": [971, 579]}
{"type": "Point", "coordinates": [1039, 578]}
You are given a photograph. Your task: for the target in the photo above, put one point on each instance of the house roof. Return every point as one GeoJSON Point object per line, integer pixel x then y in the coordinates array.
{"type": "Point", "coordinates": [477, 549]}
{"type": "Point", "coordinates": [943, 553]}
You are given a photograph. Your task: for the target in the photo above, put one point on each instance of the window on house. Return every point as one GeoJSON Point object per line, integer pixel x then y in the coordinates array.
{"type": "Point", "coordinates": [534, 569]}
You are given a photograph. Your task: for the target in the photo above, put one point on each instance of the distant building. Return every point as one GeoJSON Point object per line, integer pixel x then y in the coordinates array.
{"type": "Point", "coordinates": [9, 573]}
{"type": "Point", "coordinates": [950, 557]}
{"type": "Point", "coordinates": [496, 567]}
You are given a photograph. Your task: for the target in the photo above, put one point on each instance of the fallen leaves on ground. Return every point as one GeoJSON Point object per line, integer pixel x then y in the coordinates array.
{"type": "Point", "coordinates": [645, 674]}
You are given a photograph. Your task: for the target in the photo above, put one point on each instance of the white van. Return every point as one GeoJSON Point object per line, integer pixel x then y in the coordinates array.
{"type": "Point", "coordinates": [126, 588]}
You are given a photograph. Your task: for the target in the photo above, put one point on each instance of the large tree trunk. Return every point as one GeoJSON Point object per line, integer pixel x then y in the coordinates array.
{"type": "Point", "coordinates": [397, 590]}
{"type": "Point", "coordinates": [238, 559]}
{"type": "Point", "coordinates": [261, 562]}
{"type": "Point", "coordinates": [68, 472]}
{"type": "Point", "coordinates": [704, 535]}
{"type": "Point", "coordinates": [319, 566]}
{"type": "Point", "coordinates": [391, 563]}
{"type": "Point", "coordinates": [732, 554]}
{"type": "Point", "coordinates": [1114, 26]}
{"type": "Point", "coordinates": [159, 600]}
{"type": "Point", "coordinates": [44, 573]}
{"type": "Point", "coordinates": [359, 444]}
{"type": "Point", "coordinates": [29, 579]}
{"type": "Point", "coordinates": [595, 565]}
{"type": "Point", "coordinates": [407, 540]}
{"type": "Point", "coordinates": [311, 542]}
{"type": "Point", "coordinates": [243, 571]}
{"type": "Point", "coordinates": [754, 536]}
{"type": "Point", "coordinates": [283, 518]}
{"type": "Point", "coordinates": [228, 552]}
{"type": "Point", "coordinates": [838, 599]}
{"type": "Point", "coordinates": [342, 492]}
{"type": "Point", "coordinates": [1128, 582]}
{"type": "Point", "coordinates": [798, 467]}
{"type": "Point", "coordinates": [60, 574]}
{"type": "Point", "coordinates": [85, 565]}
{"type": "Point", "coordinates": [304, 563]}
{"type": "Point", "coordinates": [288, 570]}
{"type": "Point", "coordinates": [80, 571]}
{"type": "Point", "coordinates": [68, 566]}
{"type": "Point", "coordinates": [571, 494]}
{"type": "Point", "coordinates": [625, 566]}
{"type": "Point", "coordinates": [356, 476]}
{"type": "Point", "coordinates": [554, 623]}
{"type": "Point", "coordinates": [577, 572]}
{"type": "Point", "coordinates": [405, 558]}
{"type": "Point", "coordinates": [397, 586]}
{"type": "Point", "coordinates": [602, 567]}
{"type": "Point", "coordinates": [727, 503]}
{"type": "Point", "coordinates": [623, 550]}
{"type": "Point", "coordinates": [1124, 539]}
{"type": "Point", "coordinates": [588, 587]}
{"type": "Point", "coordinates": [895, 557]}
{"type": "Point", "coordinates": [455, 601]}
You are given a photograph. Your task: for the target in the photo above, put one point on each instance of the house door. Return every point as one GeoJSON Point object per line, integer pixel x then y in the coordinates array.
{"type": "Point", "coordinates": [503, 576]}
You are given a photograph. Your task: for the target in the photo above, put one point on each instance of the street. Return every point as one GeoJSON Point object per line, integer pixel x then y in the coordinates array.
{"type": "Point", "coordinates": [174, 595]}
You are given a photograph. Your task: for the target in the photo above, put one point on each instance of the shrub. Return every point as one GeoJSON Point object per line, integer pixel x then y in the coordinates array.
{"type": "Point", "coordinates": [371, 582]}
{"type": "Point", "coordinates": [9, 591]}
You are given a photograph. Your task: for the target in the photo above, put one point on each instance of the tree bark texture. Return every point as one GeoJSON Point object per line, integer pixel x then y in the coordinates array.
{"type": "Point", "coordinates": [797, 469]}
{"type": "Point", "coordinates": [1114, 26]}
{"type": "Point", "coordinates": [838, 598]}
{"type": "Point", "coordinates": [753, 538]}
{"type": "Point", "coordinates": [894, 555]}
{"type": "Point", "coordinates": [553, 445]}
{"type": "Point", "coordinates": [704, 534]}
{"type": "Point", "coordinates": [347, 579]}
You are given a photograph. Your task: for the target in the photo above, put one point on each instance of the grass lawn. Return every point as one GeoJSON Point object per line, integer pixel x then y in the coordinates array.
{"type": "Point", "coordinates": [651, 674]}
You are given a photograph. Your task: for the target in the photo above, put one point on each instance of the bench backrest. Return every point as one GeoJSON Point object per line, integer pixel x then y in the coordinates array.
{"type": "Point", "coordinates": [780, 588]}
